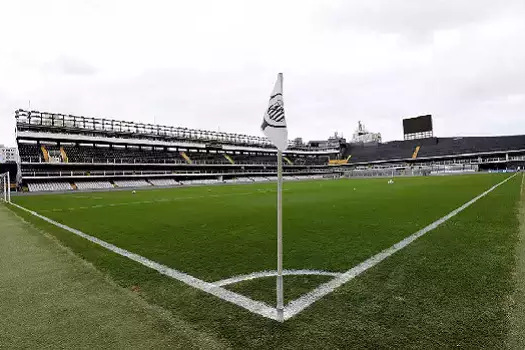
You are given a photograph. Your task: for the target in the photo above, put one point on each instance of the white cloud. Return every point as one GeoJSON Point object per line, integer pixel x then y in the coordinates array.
{"type": "Point", "coordinates": [68, 66]}
{"type": "Point", "coordinates": [211, 64]}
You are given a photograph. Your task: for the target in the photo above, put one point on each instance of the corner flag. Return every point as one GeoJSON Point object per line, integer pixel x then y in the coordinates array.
{"type": "Point", "coordinates": [274, 127]}
{"type": "Point", "coordinates": [274, 122]}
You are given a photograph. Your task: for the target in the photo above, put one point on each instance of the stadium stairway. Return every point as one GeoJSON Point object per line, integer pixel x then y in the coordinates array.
{"type": "Point", "coordinates": [229, 158]}
{"type": "Point", "coordinates": [339, 161]}
{"type": "Point", "coordinates": [416, 151]}
{"type": "Point", "coordinates": [45, 153]}
{"type": "Point", "coordinates": [64, 155]}
{"type": "Point", "coordinates": [186, 158]}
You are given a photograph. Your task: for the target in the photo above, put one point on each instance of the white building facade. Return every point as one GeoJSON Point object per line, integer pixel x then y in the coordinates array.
{"type": "Point", "coordinates": [8, 154]}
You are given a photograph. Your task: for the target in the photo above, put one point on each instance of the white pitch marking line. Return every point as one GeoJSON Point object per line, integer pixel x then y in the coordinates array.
{"type": "Point", "coordinates": [298, 305]}
{"type": "Point", "coordinates": [253, 306]}
{"type": "Point", "coordinates": [262, 274]}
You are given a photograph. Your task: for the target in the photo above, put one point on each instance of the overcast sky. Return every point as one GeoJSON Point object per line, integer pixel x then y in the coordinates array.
{"type": "Point", "coordinates": [212, 64]}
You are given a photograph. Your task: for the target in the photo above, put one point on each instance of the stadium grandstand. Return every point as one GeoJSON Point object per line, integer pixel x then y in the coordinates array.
{"type": "Point", "coordinates": [63, 152]}
{"type": "Point", "coordinates": [59, 152]}
{"type": "Point", "coordinates": [421, 153]}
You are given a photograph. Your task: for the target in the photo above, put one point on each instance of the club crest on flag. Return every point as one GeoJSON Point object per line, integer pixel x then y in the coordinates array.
{"type": "Point", "coordinates": [274, 114]}
{"type": "Point", "coordinates": [274, 121]}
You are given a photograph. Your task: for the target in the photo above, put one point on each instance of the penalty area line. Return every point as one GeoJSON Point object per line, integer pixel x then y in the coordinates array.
{"type": "Point", "coordinates": [298, 305]}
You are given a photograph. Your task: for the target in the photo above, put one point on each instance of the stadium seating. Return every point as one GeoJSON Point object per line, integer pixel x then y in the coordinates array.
{"type": "Point", "coordinates": [253, 159]}
{"type": "Point", "coordinates": [390, 150]}
{"type": "Point", "coordinates": [99, 185]}
{"type": "Point", "coordinates": [91, 158]}
{"type": "Point", "coordinates": [90, 154]}
{"type": "Point", "coordinates": [308, 159]}
{"type": "Point", "coordinates": [259, 179]}
{"type": "Point", "coordinates": [465, 145]}
{"type": "Point", "coordinates": [30, 152]}
{"type": "Point", "coordinates": [164, 182]}
{"type": "Point", "coordinates": [309, 177]}
{"type": "Point", "coordinates": [240, 180]}
{"type": "Point", "coordinates": [207, 158]}
{"type": "Point", "coordinates": [200, 182]}
{"type": "Point", "coordinates": [49, 186]}
{"type": "Point", "coordinates": [433, 147]}
{"type": "Point", "coordinates": [87, 154]}
{"type": "Point", "coordinates": [93, 185]}
{"type": "Point", "coordinates": [272, 159]}
{"type": "Point", "coordinates": [131, 183]}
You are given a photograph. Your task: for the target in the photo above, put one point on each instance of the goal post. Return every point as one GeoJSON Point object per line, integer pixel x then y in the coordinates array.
{"type": "Point", "coordinates": [5, 185]}
{"type": "Point", "coordinates": [3, 182]}
{"type": "Point", "coordinates": [8, 188]}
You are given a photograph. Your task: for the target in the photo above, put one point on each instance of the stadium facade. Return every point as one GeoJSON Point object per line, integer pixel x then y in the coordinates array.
{"type": "Point", "coordinates": [63, 152]}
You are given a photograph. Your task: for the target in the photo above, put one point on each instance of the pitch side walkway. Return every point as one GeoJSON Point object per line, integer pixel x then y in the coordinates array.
{"type": "Point", "coordinates": [50, 298]}
{"type": "Point", "coordinates": [517, 299]}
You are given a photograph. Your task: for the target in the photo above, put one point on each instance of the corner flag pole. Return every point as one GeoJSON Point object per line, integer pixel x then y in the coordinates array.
{"type": "Point", "coordinates": [280, 289]}
{"type": "Point", "coordinates": [274, 128]}
{"type": "Point", "coordinates": [280, 293]}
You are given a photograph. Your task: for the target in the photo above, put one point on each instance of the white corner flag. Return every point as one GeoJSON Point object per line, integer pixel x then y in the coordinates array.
{"type": "Point", "coordinates": [274, 122]}
{"type": "Point", "coordinates": [274, 127]}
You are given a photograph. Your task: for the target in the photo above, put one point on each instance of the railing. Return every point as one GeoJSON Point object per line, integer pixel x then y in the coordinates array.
{"type": "Point", "coordinates": [125, 129]}
{"type": "Point", "coordinates": [140, 161]}
{"type": "Point", "coordinates": [109, 173]}
{"type": "Point", "coordinates": [473, 161]}
{"type": "Point", "coordinates": [56, 120]}
{"type": "Point", "coordinates": [23, 159]}
{"type": "Point", "coordinates": [165, 161]}
{"type": "Point", "coordinates": [411, 171]}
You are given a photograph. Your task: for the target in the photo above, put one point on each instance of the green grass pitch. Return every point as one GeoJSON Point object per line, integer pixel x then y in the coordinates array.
{"type": "Point", "coordinates": [448, 288]}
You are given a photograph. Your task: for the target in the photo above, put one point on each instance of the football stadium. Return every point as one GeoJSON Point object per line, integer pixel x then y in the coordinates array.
{"type": "Point", "coordinates": [411, 243]}
{"type": "Point", "coordinates": [276, 174]}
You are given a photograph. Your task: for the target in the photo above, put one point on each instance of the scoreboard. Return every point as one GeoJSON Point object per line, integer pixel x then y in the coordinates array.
{"type": "Point", "coordinates": [418, 127]}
